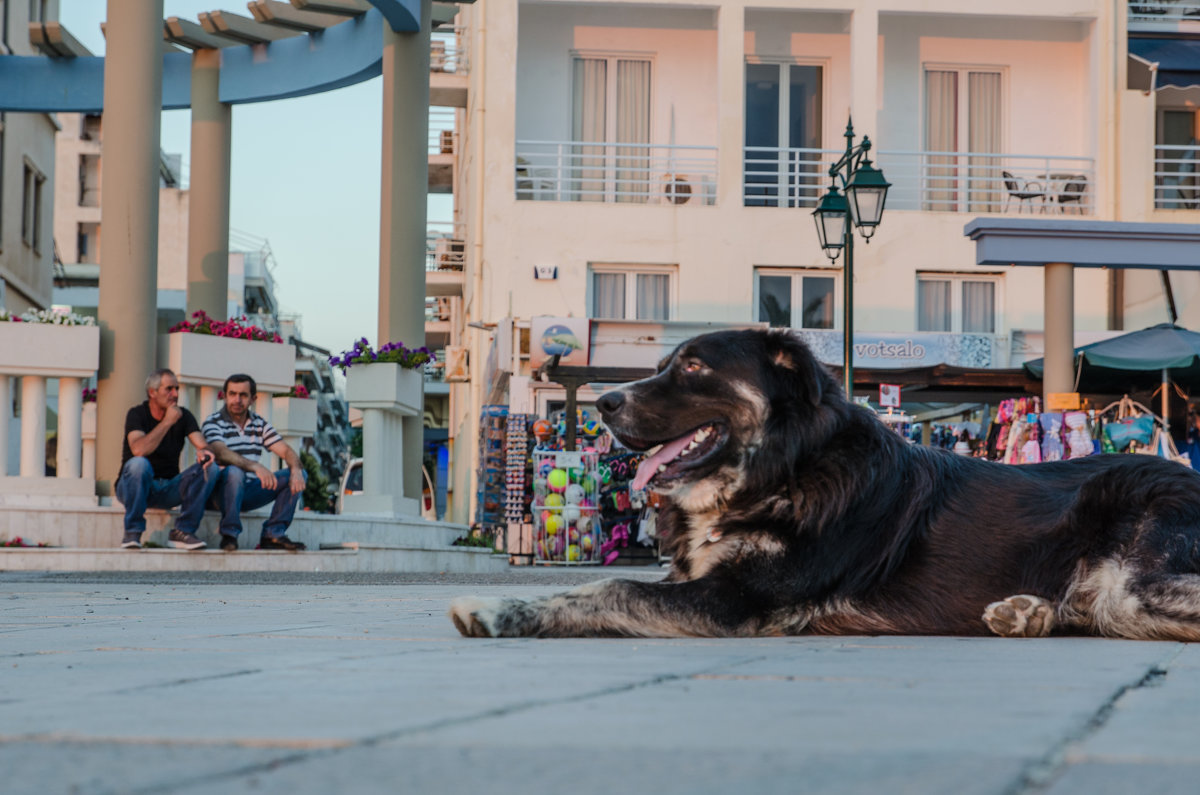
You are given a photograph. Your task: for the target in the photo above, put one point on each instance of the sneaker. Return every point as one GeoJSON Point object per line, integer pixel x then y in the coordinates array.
{"type": "Point", "coordinates": [229, 543]}
{"type": "Point", "coordinates": [283, 542]}
{"type": "Point", "coordinates": [132, 541]}
{"type": "Point", "coordinates": [181, 540]}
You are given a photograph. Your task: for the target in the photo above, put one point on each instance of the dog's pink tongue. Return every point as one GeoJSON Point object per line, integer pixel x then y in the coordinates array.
{"type": "Point", "coordinates": [667, 454]}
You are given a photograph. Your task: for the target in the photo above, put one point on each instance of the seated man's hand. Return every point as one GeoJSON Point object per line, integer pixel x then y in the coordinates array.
{"type": "Point", "coordinates": [205, 457]}
{"type": "Point", "coordinates": [297, 481]}
{"type": "Point", "coordinates": [265, 476]}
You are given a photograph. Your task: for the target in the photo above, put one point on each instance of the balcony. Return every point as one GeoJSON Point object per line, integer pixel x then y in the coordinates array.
{"type": "Point", "coordinates": [448, 67]}
{"type": "Point", "coordinates": [962, 182]}
{"type": "Point", "coordinates": [443, 143]}
{"type": "Point", "coordinates": [1165, 16]}
{"type": "Point", "coordinates": [583, 171]}
{"type": "Point", "coordinates": [445, 258]}
{"type": "Point", "coordinates": [1176, 184]}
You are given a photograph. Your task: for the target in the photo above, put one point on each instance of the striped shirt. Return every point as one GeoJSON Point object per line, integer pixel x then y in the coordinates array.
{"type": "Point", "coordinates": [248, 442]}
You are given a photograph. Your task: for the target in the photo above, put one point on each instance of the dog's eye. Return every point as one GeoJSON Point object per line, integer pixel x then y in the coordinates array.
{"type": "Point", "coordinates": [693, 366]}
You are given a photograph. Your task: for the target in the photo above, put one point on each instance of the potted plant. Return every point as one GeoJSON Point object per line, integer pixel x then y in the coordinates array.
{"type": "Point", "coordinates": [390, 378]}
{"type": "Point", "coordinates": [49, 344]}
{"type": "Point", "coordinates": [294, 413]}
{"type": "Point", "coordinates": [204, 352]}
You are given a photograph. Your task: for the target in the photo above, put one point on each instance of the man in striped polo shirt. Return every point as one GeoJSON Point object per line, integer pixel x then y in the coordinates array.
{"type": "Point", "coordinates": [238, 437]}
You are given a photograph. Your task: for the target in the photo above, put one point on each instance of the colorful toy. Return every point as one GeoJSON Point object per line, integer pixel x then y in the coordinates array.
{"type": "Point", "coordinates": [553, 501]}
{"type": "Point", "coordinates": [557, 479]}
{"type": "Point", "coordinates": [573, 552]}
{"type": "Point", "coordinates": [542, 430]}
{"type": "Point", "coordinates": [573, 494]}
{"type": "Point", "coordinates": [571, 513]}
{"type": "Point", "coordinates": [592, 427]}
{"type": "Point", "coordinates": [553, 523]}
{"type": "Point", "coordinates": [573, 535]}
{"type": "Point", "coordinates": [585, 541]}
{"type": "Point", "coordinates": [545, 468]}
{"type": "Point", "coordinates": [583, 523]}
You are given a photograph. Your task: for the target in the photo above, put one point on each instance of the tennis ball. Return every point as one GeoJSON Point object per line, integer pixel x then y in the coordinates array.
{"type": "Point", "coordinates": [554, 523]}
{"type": "Point", "coordinates": [557, 479]}
{"type": "Point", "coordinates": [553, 501]}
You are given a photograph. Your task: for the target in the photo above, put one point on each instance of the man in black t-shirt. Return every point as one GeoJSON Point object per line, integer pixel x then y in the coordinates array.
{"type": "Point", "coordinates": [150, 478]}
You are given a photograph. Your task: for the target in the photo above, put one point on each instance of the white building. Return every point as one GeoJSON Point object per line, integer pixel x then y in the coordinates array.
{"type": "Point", "coordinates": [664, 159]}
{"type": "Point", "coordinates": [27, 174]}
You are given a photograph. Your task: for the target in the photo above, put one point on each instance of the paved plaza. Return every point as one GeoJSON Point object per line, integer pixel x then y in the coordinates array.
{"type": "Point", "coordinates": [303, 683]}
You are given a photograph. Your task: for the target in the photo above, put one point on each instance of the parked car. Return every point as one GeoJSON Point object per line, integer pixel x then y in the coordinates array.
{"type": "Point", "coordinates": [352, 483]}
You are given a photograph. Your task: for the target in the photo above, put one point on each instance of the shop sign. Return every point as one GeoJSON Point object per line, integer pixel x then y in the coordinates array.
{"type": "Point", "coordinates": [889, 395]}
{"type": "Point", "coordinates": [565, 337]}
{"type": "Point", "coordinates": [1062, 401]}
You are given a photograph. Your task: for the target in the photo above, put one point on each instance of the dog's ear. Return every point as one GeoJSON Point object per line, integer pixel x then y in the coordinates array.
{"type": "Point", "coordinates": [789, 353]}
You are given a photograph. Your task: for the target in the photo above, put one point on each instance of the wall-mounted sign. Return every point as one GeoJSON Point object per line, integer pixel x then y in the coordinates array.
{"type": "Point", "coordinates": [889, 395]}
{"type": "Point", "coordinates": [565, 337]}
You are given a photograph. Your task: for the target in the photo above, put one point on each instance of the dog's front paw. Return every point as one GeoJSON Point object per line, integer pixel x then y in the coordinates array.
{"type": "Point", "coordinates": [1021, 616]}
{"type": "Point", "coordinates": [477, 617]}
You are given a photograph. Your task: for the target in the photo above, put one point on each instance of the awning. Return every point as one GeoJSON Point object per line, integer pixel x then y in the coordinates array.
{"type": "Point", "coordinates": [1178, 60]}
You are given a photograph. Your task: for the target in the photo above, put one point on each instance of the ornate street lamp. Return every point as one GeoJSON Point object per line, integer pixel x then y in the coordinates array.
{"type": "Point", "coordinates": [860, 204]}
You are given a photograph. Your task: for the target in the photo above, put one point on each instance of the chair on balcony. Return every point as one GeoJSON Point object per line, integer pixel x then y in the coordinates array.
{"type": "Point", "coordinates": [1022, 190]}
{"type": "Point", "coordinates": [1073, 189]}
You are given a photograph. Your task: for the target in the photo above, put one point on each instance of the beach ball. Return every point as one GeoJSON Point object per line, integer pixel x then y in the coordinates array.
{"type": "Point", "coordinates": [553, 523]}
{"type": "Point", "coordinates": [574, 494]}
{"type": "Point", "coordinates": [585, 541]}
{"type": "Point", "coordinates": [542, 430]}
{"type": "Point", "coordinates": [592, 427]}
{"type": "Point", "coordinates": [545, 468]}
{"type": "Point", "coordinates": [553, 501]}
{"type": "Point", "coordinates": [571, 513]}
{"type": "Point", "coordinates": [572, 552]}
{"type": "Point", "coordinates": [557, 479]}
{"type": "Point", "coordinates": [584, 523]}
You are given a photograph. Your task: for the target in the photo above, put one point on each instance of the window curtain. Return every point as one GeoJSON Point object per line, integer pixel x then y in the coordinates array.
{"type": "Point", "coordinates": [588, 125]}
{"type": "Point", "coordinates": [817, 300]}
{"type": "Point", "coordinates": [933, 305]}
{"type": "Point", "coordinates": [634, 176]}
{"type": "Point", "coordinates": [984, 125]}
{"type": "Point", "coordinates": [608, 295]}
{"type": "Point", "coordinates": [941, 135]}
{"type": "Point", "coordinates": [653, 296]}
{"type": "Point", "coordinates": [979, 307]}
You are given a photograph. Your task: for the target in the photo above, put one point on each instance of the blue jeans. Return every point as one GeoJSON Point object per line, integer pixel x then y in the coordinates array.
{"type": "Point", "coordinates": [138, 489]}
{"type": "Point", "coordinates": [240, 491]}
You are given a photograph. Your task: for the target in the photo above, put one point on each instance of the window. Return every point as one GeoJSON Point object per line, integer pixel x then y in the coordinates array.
{"type": "Point", "coordinates": [31, 207]}
{"type": "Point", "coordinates": [796, 299]}
{"type": "Point", "coordinates": [959, 304]}
{"type": "Point", "coordinates": [964, 112]}
{"type": "Point", "coordinates": [610, 105]}
{"type": "Point", "coordinates": [783, 133]}
{"type": "Point", "coordinates": [631, 292]}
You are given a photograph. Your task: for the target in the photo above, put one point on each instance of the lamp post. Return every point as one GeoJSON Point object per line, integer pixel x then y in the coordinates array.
{"type": "Point", "coordinates": [863, 191]}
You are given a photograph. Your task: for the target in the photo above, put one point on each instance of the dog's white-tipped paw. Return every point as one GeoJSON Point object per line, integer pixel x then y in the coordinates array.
{"type": "Point", "coordinates": [476, 617]}
{"type": "Point", "coordinates": [1020, 616]}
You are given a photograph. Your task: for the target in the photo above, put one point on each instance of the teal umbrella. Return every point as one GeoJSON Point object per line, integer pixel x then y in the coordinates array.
{"type": "Point", "coordinates": [1137, 360]}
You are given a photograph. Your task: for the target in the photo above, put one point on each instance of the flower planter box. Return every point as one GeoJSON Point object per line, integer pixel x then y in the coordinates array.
{"type": "Point", "coordinates": [386, 386]}
{"type": "Point", "coordinates": [294, 416]}
{"type": "Point", "coordinates": [207, 360]}
{"type": "Point", "coordinates": [48, 350]}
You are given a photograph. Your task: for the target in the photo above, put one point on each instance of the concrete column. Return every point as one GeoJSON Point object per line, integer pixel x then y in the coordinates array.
{"type": "Point", "coordinates": [208, 403]}
{"type": "Point", "coordinates": [208, 205]}
{"type": "Point", "coordinates": [129, 208]}
{"type": "Point", "coordinates": [1059, 323]}
{"type": "Point", "coordinates": [403, 213]}
{"type": "Point", "coordinates": [70, 431]}
{"type": "Point", "coordinates": [731, 102]}
{"type": "Point", "coordinates": [864, 69]}
{"type": "Point", "coordinates": [33, 426]}
{"type": "Point", "coordinates": [5, 414]}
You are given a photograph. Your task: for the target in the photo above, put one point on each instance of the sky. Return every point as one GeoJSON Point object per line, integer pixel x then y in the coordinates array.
{"type": "Point", "coordinates": [305, 177]}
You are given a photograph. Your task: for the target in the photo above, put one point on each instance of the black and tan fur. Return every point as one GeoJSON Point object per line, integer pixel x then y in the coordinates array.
{"type": "Point", "coordinates": [806, 515]}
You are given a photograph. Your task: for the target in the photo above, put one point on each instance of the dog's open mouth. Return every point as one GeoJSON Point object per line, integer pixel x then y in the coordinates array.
{"type": "Point", "coordinates": [671, 459]}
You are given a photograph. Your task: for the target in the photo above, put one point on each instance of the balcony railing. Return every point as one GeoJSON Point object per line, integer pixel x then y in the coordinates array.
{"type": "Point", "coordinates": [445, 248]}
{"type": "Point", "coordinates": [443, 138]}
{"type": "Point", "coordinates": [586, 171]}
{"type": "Point", "coordinates": [1177, 177]}
{"type": "Point", "coordinates": [931, 181]}
{"type": "Point", "coordinates": [448, 50]}
{"type": "Point", "coordinates": [1170, 11]}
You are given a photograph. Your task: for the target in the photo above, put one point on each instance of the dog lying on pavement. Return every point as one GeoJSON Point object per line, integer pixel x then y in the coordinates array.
{"type": "Point", "coordinates": [793, 511]}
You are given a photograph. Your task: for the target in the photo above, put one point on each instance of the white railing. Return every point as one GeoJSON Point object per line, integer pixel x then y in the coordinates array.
{"type": "Point", "coordinates": [611, 172]}
{"type": "Point", "coordinates": [444, 246]}
{"type": "Point", "coordinates": [931, 181]}
{"type": "Point", "coordinates": [448, 50]}
{"type": "Point", "coordinates": [1171, 11]}
{"type": "Point", "coordinates": [978, 182]}
{"type": "Point", "coordinates": [443, 137]}
{"type": "Point", "coordinates": [1177, 177]}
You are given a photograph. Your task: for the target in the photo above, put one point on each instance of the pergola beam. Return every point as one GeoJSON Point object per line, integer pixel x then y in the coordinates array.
{"type": "Point", "coordinates": [285, 15]}
{"type": "Point", "coordinates": [51, 38]}
{"type": "Point", "coordinates": [343, 8]}
{"type": "Point", "coordinates": [243, 30]}
{"type": "Point", "coordinates": [188, 34]}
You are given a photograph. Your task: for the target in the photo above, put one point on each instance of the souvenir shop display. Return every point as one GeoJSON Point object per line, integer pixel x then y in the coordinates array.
{"type": "Point", "coordinates": [566, 525]}
{"type": "Point", "coordinates": [516, 468]}
{"type": "Point", "coordinates": [492, 489]}
{"type": "Point", "coordinates": [898, 421]}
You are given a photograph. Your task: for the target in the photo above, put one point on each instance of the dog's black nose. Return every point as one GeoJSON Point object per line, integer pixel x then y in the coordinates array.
{"type": "Point", "coordinates": [610, 402]}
